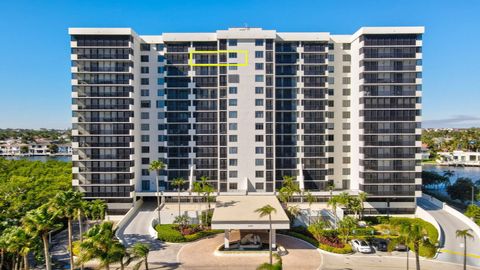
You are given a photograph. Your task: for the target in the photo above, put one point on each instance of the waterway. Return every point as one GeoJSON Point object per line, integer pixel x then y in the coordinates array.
{"type": "Point", "coordinates": [469, 172]}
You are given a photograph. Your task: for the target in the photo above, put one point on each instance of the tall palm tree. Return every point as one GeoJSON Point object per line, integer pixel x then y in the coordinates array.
{"type": "Point", "coordinates": [267, 210]}
{"type": "Point", "coordinates": [346, 225]}
{"type": "Point", "coordinates": [100, 243]}
{"type": "Point", "coordinates": [20, 242]}
{"type": "Point", "coordinates": [467, 233]}
{"type": "Point", "coordinates": [414, 235]}
{"type": "Point", "coordinates": [67, 204]}
{"type": "Point", "coordinates": [288, 189]}
{"type": "Point", "coordinates": [179, 182]}
{"type": "Point", "coordinates": [310, 199]}
{"type": "Point", "coordinates": [333, 202]}
{"type": "Point", "coordinates": [140, 252]}
{"type": "Point", "coordinates": [157, 166]}
{"type": "Point", "coordinates": [197, 187]}
{"type": "Point", "coordinates": [40, 222]}
{"type": "Point", "coordinates": [362, 196]}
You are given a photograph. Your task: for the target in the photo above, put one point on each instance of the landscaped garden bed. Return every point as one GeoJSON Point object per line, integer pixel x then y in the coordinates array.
{"type": "Point", "coordinates": [173, 233]}
{"type": "Point", "coordinates": [390, 228]}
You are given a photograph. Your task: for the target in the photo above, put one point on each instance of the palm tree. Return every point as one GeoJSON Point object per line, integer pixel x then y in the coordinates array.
{"type": "Point", "coordinates": [333, 203]}
{"type": "Point", "coordinates": [67, 204]}
{"type": "Point", "coordinates": [267, 210]}
{"type": "Point", "coordinates": [467, 233]}
{"type": "Point", "coordinates": [140, 252]}
{"type": "Point", "coordinates": [100, 243]}
{"type": "Point", "coordinates": [289, 188]}
{"type": "Point", "coordinates": [346, 225]}
{"type": "Point", "coordinates": [157, 166]}
{"type": "Point", "coordinates": [20, 243]}
{"type": "Point", "coordinates": [310, 199]}
{"type": "Point", "coordinates": [96, 210]}
{"type": "Point", "coordinates": [40, 222]}
{"type": "Point", "coordinates": [204, 189]}
{"type": "Point", "coordinates": [179, 182]}
{"type": "Point", "coordinates": [362, 196]}
{"type": "Point", "coordinates": [414, 235]}
{"type": "Point", "coordinates": [197, 187]}
{"type": "Point", "coordinates": [330, 188]}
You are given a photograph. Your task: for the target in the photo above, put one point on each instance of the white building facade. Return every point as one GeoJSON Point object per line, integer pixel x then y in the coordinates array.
{"type": "Point", "coordinates": [245, 107]}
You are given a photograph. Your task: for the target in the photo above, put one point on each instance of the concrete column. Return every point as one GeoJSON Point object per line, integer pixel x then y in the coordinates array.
{"type": "Point", "coordinates": [226, 239]}
{"type": "Point", "coordinates": [274, 239]}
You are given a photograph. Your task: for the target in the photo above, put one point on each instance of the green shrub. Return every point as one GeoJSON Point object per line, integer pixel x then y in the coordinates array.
{"type": "Point", "coordinates": [170, 233]}
{"type": "Point", "coordinates": [473, 211]}
{"type": "Point", "coordinates": [345, 250]}
{"type": "Point", "coordinates": [277, 265]}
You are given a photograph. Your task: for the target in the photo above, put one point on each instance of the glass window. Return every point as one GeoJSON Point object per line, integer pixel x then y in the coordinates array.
{"type": "Point", "coordinates": [144, 70]}
{"type": "Point", "coordinates": [161, 69]}
{"type": "Point", "coordinates": [160, 47]}
{"type": "Point", "coordinates": [258, 114]}
{"type": "Point", "coordinates": [145, 138]}
{"type": "Point", "coordinates": [258, 66]}
{"type": "Point", "coordinates": [232, 138]}
{"type": "Point", "coordinates": [144, 58]}
{"type": "Point", "coordinates": [258, 42]}
{"type": "Point", "coordinates": [258, 162]}
{"type": "Point", "coordinates": [161, 92]}
{"type": "Point", "coordinates": [258, 90]}
{"type": "Point", "coordinates": [232, 90]}
{"type": "Point", "coordinates": [233, 162]}
{"type": "Point", "coordinates": [258, 54]}
{"type": "Point", "coordinates": [144, 81]}
{"type": "Point", "coordinates": [232, 150]}
{"type": "Point", "coordinates": [160, 58]}
{"type": "Point", "coordinates": [232, 42]}
{"type": "Point", "coordinates": [232, 126]}
{"type": "Point", "coordinates": [232, 114]}
{"type": "Point", "coordinates": [258, 150]}
{"type": "Point", "coordinates": [144, 47]}
{"type": "Point", "coordinates": [232, 102]}
{"type": "Point", "coordinates": [145, 127]}
{"type": "Point", "coordinates": [145, 92]}
{"type": "Point", "coordinates": [258, 102]}
{"type": "Point", "coordinates": [160, 104]}
{"type": "Point", "coordinates": [259, 78]}
{"type": "Point", "coordinates": [160, 81]}
{"type": "Point", "coordinates": [232, 55]}
{"type": "Point", "coordinates": [145, 115]}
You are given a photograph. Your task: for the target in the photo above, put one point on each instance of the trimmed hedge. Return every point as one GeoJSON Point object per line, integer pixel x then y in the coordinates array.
{"type": "Point", "coordinates": [169, 233]}
{"type": "Point", "coordinates": [347, 248]}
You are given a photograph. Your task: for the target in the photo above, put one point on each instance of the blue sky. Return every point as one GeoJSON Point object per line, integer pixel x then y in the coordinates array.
{"type": "Point", "coordinates": [34, 69]}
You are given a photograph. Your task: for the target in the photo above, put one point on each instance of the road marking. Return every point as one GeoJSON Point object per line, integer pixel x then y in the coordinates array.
{"type": "Point", "coordinates": [459, 253]}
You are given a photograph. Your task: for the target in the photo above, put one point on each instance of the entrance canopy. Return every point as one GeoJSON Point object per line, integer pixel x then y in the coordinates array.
{"type": "Point", "coordinates": [238, 212]}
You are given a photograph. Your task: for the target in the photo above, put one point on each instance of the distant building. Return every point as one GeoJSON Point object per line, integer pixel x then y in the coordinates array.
{"type": "Point", "coordinates": [459, 158]}
{"type": "Point", "coordinates": [425, 151]}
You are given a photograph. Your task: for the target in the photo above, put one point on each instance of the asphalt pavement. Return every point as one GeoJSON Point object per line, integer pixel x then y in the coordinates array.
{"type": "Point", "coordinates": [452, 248]}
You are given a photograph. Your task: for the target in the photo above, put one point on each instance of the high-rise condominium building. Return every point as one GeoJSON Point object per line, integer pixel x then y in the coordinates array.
{"type": "Point", "coordinates": [245, 107]}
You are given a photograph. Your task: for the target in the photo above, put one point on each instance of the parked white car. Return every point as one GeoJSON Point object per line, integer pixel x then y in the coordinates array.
{"type": "Point", "coordinates": [361, 246]}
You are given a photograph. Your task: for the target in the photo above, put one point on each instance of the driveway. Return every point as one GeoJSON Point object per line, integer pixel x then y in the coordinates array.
{"type": "Point", "coordinates": [162, 255]}
{"type": "Point", "coordinates": [451, 251]}
{"type": "Point", "coordinates": [200, 255]}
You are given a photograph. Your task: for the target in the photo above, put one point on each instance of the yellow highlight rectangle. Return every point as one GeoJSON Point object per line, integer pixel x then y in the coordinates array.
{"type": "Point", "coordinates": [245, 63]}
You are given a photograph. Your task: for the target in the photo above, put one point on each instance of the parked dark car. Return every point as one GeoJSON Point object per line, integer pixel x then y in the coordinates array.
{"type": "Point", "coordinates": [401, 247]}
{"type": "Point", "coordinates": [380, 244]}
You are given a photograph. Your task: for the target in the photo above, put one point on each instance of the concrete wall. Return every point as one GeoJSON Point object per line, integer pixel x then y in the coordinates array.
{"type": "Point", "coordinates": [421, 213]}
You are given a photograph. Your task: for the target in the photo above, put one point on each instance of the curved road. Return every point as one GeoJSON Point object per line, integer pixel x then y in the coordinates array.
{"type": "Point", "coordinates": [451, 251]}
{"type": "Point", "coordinates": [162, 255]}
